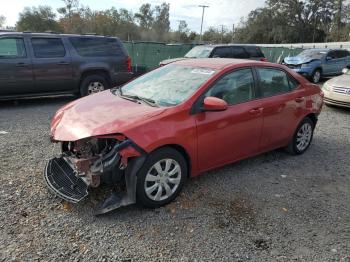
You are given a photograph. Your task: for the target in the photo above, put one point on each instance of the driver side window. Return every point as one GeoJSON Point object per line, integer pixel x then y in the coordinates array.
{"type": "Point", "coordinates": [234, 88]}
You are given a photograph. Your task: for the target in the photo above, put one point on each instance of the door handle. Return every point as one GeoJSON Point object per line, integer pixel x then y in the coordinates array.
{"type": "Point", "coordinates": [256, 111]}
{"type": "Point", "coordinates": [63, 63]}
{"type": "Point", "coordinates": [299, 99]}
{"type": "Point", "coordinates": [22, 65]}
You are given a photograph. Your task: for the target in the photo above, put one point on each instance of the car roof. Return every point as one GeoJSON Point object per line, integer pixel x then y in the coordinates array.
{"type": "Point", "coordinates": [220, 63]}
{"type": "Point", "coordinates": [227, 45]}
{"type": "Point", "coordinates": [12, 33]}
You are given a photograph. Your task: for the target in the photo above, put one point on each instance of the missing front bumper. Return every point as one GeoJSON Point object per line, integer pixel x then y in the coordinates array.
{"type": "Point", "coordinates": [62, 181]}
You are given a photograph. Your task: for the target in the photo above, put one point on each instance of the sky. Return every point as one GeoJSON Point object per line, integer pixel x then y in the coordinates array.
{"type": "Point", "coordinates": [220, 12]}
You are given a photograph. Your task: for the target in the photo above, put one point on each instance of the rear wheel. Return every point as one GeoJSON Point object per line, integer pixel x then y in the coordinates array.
{"type": "Point", "coordinates": [316, 76]}
{"type": "Point", "coordinates": [93, 84]}
{"type": "Point", "coordinates": [302, 137]}
{"type": "Point", "coordinates": [161, 178]}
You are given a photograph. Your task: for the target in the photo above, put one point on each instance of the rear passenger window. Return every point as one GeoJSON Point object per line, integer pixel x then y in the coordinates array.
{"type": "Point", "coordinates": [95, 46]}
{"type": "Point", "coordinates": [239, 52]}
{"type": "Point", "coordinates": [254, 51]}
{"type": "Point", "coordinates": [223, 52]}
{"type": "Point", "coordinates": [48, 47]}
{"type": "Point", "coordinates": [236, 87]}
{"type": "Point", "coordinates": [273, 81]}
{"type": "Point", "coordinates": [12, 48]}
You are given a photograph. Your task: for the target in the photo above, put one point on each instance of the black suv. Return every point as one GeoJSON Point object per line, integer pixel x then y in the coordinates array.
{"type": "Point", "coordinates": [37, 64]}
{"type": "Point", "coordinates": [252, 52]}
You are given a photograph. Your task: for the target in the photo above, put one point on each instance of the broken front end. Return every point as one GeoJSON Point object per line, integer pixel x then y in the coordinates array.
{"type": "Point", "coordinates": [87, 163]}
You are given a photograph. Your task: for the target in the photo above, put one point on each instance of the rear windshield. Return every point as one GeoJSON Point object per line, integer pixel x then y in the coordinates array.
{"type": "Point", "coordinates": [95, 46]}
{"type": "Point", "coordinates": [199, 52]}
{"type": "Point", "coordinates": [313, 54]}
{"type": "Point", "coordinates": [254, 51]}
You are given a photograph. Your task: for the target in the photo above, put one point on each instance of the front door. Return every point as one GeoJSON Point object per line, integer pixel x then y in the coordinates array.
{"type": "Point", "coordinates": [52, 65]}
{"type": "Point", "coordinates": [226, 136]}
{"type": "Point", "coordinates": [16, 75]}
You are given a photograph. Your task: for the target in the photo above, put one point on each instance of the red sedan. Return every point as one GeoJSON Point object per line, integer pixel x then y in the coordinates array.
{"type": "Point", "coordinates": [176, 122]}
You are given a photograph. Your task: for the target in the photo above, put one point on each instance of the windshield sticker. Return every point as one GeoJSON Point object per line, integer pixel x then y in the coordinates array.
{"type": "Point", "coordinates": [202, 71]}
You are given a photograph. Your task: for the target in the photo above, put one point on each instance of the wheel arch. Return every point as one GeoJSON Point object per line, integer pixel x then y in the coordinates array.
{"type": "Point", "coordinates": [313, 118]}
{"type": "Point", "coordinates": [99, 71]}
{"type": "Point", "coordinates": [182, 151]}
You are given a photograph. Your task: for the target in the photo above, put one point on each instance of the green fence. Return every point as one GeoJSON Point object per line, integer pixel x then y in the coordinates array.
{"type": "Point", "coordinates": [147, 55]}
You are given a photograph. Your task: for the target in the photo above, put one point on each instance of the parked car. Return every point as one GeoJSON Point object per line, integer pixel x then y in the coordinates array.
{"type": "Point", "coordinates": [337, 90]}
{"type": "Point", "coordinates": [33, 64]}
{"type": "Point", "coordinates": [176, 122]}
{"type": "Point", "coordinates": [252, 52]}
{"type": "Point", "coordinates": [317, 63]}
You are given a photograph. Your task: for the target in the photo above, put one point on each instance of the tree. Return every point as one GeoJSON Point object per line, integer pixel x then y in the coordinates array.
{"type": "Point", "coordinates": [145, 16]}
{"type": "Point", "coordinates": [38, 19]}
{"type": "Point", "coordinates": [2, 20]}
{"type": "Point", "coordinates": [161, 23]}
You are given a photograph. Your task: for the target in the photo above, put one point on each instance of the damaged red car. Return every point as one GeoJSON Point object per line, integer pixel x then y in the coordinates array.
{"type": "Point", "coordinates": [176, 122]}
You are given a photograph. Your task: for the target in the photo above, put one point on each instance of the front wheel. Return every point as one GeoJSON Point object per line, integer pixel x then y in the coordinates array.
{"type": "Point", "coordinates": [302, 137]}
{"type": "Point", "coordinates": [161, 178]}
{"type": "Point", "coordinates": [316, 76]}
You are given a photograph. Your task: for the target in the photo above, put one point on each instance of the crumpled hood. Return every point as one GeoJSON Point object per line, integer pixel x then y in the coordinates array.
{"type": "Point", "coordinates": [297, 60]}
{"type": "Point", "coordinates": [340, 81]}
{"type": "Point", "coordinates": [168, 61]}
{"type": "Point", "coordinates": [100, 114]}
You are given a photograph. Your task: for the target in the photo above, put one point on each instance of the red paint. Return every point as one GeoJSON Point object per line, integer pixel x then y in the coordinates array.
{"type": "Point", "coordinates": [214, 104]}
{"type": "Point", "coordinates": [211, 139]}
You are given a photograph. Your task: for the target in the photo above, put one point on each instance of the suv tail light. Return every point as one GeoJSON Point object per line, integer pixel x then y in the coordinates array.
{"type": "Point", "coordinates": [128, 64]}
{"type": "Point", "coordinates": [264, 59]}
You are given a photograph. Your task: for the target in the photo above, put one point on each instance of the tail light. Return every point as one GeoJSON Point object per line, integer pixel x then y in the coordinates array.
{"type": "Point", "coordinates": [264, 59]}
{"type": "Point", "coordinates": [128, 64]}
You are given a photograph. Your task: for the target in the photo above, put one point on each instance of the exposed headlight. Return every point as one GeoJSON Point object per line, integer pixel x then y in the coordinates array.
{"type": "Point", "coordinates": [327, 86]}
{"type": "Point", "coordinates": [305, 65]}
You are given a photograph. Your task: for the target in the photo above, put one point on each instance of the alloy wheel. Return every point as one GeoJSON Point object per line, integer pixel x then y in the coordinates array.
{"type": "Point", "coordinates": [304, 136]}
{"type": "Point", "coordinates": [162, 179]}
{"type": "Point", "coordinates": [95, 87]}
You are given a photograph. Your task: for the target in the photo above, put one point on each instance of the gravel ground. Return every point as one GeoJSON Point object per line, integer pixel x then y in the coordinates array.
{"type": "Point", "coordinates": [274, 207]}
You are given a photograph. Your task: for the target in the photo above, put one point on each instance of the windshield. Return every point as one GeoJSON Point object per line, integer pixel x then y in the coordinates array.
{"type": "Point", "coordinates": [313, 54]}
{"type": "Point", "coordinates": [199, 52]}
{"type": "Point", "coordinates": [169, 85]}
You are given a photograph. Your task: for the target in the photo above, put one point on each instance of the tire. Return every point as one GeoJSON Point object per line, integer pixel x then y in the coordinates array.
{"type": "Point", "coordinates": [302, 137]}
{"type": "Point", "coordinates": [316, 76]}
{"type": "Point", "coordinates": [93, 84]}
{"type": "Point", "coordinates": [149, 178]}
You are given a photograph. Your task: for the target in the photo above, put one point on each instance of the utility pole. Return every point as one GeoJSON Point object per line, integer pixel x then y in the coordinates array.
{"type": "Point", "coordinates": [202, 6]}
{"type": "Point", "coordinates": [233, 33]}
{"type": "Point", "coordinates": [222, 33]}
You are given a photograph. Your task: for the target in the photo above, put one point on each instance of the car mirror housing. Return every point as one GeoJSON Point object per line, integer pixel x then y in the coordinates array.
{"type": "Point", "coordinates": [328, 58]}
{"type": "Point", "coordinates": [345, 70]}
{"type": "Point", "coordinates": [214, 104]}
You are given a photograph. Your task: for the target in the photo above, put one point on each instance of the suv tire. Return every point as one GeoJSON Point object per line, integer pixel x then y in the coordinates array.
{"type": "Point", "coordinates": [92, 84]}
{"type": "Point", "coordinates": [316, 76]}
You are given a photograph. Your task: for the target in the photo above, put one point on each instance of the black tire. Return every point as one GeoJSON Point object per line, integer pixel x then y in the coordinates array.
{"type": "Point", "coordinates": [316, 76]}
{"type": "Point", "coordinates": [92, 79]}
{"type": "Point", "coordinates": [154, 158]}
{"type": "Point", "coordinates": [293, 147]}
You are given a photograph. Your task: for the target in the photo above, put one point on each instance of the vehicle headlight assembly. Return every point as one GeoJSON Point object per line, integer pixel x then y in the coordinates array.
{"type": "Point", "coordinates": [305, 66]}
{"type": "Point", "coordinates": [327, 87]}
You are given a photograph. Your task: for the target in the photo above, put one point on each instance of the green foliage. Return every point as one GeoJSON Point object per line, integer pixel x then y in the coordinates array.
{"type": "Point", "coordinates": [2, 20]}
{"type": "Point", "coordinates": [38, 19]}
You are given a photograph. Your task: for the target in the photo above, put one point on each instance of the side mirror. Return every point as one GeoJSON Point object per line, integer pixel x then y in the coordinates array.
{"type": "Point", "coordinates": [214, 104]}
{"type": "Point", "coordinates": [345, 70]}
{"type": "Point", "coordinates": [328, 58]}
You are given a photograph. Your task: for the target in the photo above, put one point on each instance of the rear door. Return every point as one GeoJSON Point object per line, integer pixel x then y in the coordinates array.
{"type": "Point", "coordinates": [16, 75]}
{"type": "Point", "coordinates": [52, 65]}
{"type": "Point", "coordinates": [226, 136]}
{"type": "Point", "coordinates": [282, 102]}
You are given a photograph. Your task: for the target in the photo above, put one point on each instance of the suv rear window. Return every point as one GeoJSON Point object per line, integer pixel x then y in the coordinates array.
{"type": "Point", "coordinates": [94, 46]}
{"type": "Point", "coordinates": [12, 48]}
{"type": "Point", "coordinates": [254, 51]}
{"type": "Point", "coordinates": [48, 47]}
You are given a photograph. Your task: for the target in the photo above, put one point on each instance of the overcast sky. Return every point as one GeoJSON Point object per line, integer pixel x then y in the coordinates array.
{"type": "Point", "coordinates": [220, 12]}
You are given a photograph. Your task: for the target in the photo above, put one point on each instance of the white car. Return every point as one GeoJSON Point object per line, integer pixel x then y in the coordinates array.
{"type": "Point", "coordinates": [337, 90]}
